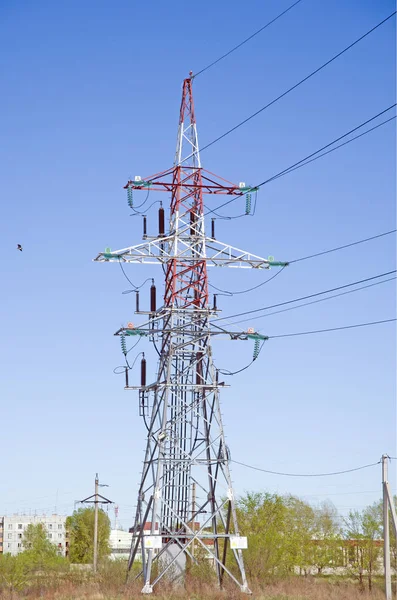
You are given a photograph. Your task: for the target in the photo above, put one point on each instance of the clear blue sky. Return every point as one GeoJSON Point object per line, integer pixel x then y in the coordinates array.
{"type": "Point", "coordinates": [90, 97]}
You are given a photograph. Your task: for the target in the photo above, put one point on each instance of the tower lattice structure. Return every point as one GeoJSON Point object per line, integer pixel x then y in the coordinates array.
{"type": "Point", "coordinates": [186, 453]}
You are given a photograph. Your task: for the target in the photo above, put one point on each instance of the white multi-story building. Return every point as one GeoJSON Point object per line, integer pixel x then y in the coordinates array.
{"type": "Point", "coordinates": [120, 544]}
{"type": "Point", "coordinates": [15, 526]}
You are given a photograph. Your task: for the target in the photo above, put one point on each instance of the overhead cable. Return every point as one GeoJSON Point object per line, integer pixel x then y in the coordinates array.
{"type": "Point", "coordinates": [342, 493]}
{"type": "Point", "coordinates": [308, 159]}
{"type": "Point", "coordinates": [142, 203]}
{"type": "Point", "coordinates": [226, 372]}
{"type": "Point", "coordinates": [307, 474]}
{"type": "Point", "coordinates": [284, 335]}
{"type": "Point", "coordinates": [290, 262]}
{"type": "Point", "coordinates": [341, 287]}
{"type": "Point", "coordinates": [276, 312]}
{"type": "Point", "coordinates": [228, 293]}
{"type": "Point", "coordinates": [303, 160]}
{"type": "Point", "coordinates": [246, 39]}
{"type": "Point", "coordinates": [128, 351]}
{"type": "Point", "coordinates": [337, 248]}
{"type": "Point", "coordinates": [332, 329]}
{"type": "Point", "coordinates": [307, 162]}
{"type": "Point", "coordinates": [136, 287]}
{"type": "Point", "coordinates": [120, 370]}
{"type": "Point", "coordinates": [138, 213]}
{"type": "Point", "coordinates": [320, 68]}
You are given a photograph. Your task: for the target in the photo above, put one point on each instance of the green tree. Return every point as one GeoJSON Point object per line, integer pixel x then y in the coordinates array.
{"type": "Point", "coordinates": [38, 560]}
{"type": "Point", "coordinates": [299, 533]}
{"type": "Point", "coordinates": [286, 533]}
{"type": "Point", "coordinates": [13, 575]}
{"type": "Point", "coordinates": [35, 539]}
{"type": "Point", "coordinates": [327, 548]}
{"type": "Point", "coordinates": [81, 535]}
{"type": "Point", "coordinates": [279, 531]}
{"type": "Point", "coordinates": [365, 528]}
{"type": "Point", "coordinates": [39, 553]}
{"type": "Point", "coordinates": [261, 518]}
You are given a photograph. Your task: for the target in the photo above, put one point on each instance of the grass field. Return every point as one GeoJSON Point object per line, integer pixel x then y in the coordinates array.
{"type": "Point", "coordinates": [110, 588]}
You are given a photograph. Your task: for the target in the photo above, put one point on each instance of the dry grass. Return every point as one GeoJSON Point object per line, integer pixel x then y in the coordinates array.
{"type": "Point", "coordinates": [111, 587]}
{"type": "Point", "coordinates": [317, 589]}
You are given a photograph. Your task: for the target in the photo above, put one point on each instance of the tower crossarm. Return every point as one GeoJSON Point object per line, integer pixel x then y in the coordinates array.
{"type": "Point", "coordinates": [215, 254]}
{"type": "Point", "coordinates": [147, 330]}
{"type": "Point", "coordinates": [209, 183]}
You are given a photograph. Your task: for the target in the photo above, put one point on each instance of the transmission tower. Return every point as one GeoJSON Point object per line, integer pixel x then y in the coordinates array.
{"type": "Point", "coordinates": [185, 448]}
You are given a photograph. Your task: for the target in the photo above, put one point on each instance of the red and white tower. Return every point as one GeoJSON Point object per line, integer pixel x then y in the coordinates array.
{"type": "Point", "coordinates": [185, 449]}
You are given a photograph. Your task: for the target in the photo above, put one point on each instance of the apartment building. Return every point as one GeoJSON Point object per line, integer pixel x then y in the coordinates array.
{"type": "Point", "coordinates": [12, 530]}
{"type": "Point", "coordinates": [120, 544]}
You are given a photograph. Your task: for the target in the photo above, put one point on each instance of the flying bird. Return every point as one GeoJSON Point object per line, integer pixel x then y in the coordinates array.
{"type": "Point", "coordinates": [19, 247]}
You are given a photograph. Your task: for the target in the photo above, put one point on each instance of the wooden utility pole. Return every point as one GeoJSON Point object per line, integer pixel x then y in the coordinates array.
{"type": "Point", "coordinates": [96, 499]}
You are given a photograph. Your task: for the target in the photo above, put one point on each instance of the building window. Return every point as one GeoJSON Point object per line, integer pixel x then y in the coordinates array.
{"type": "Point", "coordinates": [9, 525]}
{"type": "Point", "coordinates": [1, 544]}
{"type": "Point", "coordinates": [60, 535]}
{"type": "Point", "coordinates": [8, 545]}
{"type": "Point", "coordinates": [19, 545]}
{"type": "Point", "coordinates": [49, 525]}
{"type": "Point", "coordinates": [10, 536]}
{"type": "Point", "coordinates": [60, 526]}
{"type": "Point", "coordinates": [50, 536]}
{"type": "Point", "coordinates": [20, 526]}
{"type": "Point", "coordinates": [19, 536]}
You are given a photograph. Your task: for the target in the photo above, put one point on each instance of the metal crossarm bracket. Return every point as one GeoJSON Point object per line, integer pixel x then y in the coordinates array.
{"type": "Point", "coordinates": [213, 252]}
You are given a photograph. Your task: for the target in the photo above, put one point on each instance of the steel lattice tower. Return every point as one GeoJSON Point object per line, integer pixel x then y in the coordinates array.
{"type": "Point", "coordinates": [186, 446]}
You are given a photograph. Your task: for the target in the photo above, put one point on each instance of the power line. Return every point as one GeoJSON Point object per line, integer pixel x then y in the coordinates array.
{"type": "Point", "coordinates": [120, 370]}
{"type": "Point", "coordinates": [136, 287]}
{"type": "Point", "coordinates": [331, 329]}
{"type": "Point", "coordinates": [226, 372]}
{"type": "Point", "coordinates": [337, 248]}
{"type": "Point", "coordinates": [142, 203]}
{"type": "Point", "coordinates": [284, 335]}
{"type": "Point", "coordinates": [132, 347]}
{"type": "Point", "coordinates": [299, 83]}
{"type": "Point", "coordinates": [276, 312]}
{"type": "Point", "coordinates": [357, 242]}
{"type": "Point", "coordinates": [306, 474]}
{"type": "Point", "coordinates": [304, 161]}
{"type": "Point", "coordinates": [295, 165]}
{"type": "Point", "coordinates": [246, 39]}
{"type": "Point", "coordinates": [228, 293]}
{"type": "Point", "coordinates": [353, 493]}
{"type": "Point", "coordinates": [356, 137]}
{"type": "Point", "coordinates": [341, 287]}
{"type": "Point", "coordinates": [137, 213]}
